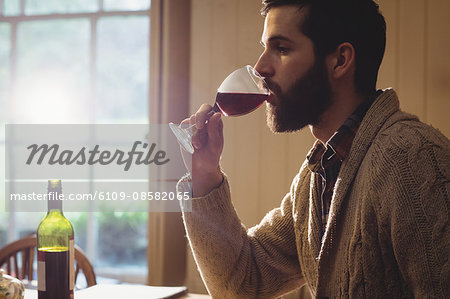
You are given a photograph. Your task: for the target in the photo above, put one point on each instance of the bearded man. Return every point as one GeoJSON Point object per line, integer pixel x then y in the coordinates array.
{"type": "Point", "coordinates": [367, 214]}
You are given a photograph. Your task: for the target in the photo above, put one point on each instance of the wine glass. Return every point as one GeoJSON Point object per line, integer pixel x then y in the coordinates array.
{"type": "Point", "coordinates": [240, 93]}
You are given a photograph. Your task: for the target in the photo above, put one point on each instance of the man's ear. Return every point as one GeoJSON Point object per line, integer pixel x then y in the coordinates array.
{"type": "Point", "coordinates": [341, 62]}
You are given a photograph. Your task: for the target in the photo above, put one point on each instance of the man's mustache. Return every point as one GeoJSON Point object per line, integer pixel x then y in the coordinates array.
{"type": "Point", "coordinates": [273, 87]}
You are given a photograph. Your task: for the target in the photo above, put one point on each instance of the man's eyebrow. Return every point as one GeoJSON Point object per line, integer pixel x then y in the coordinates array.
{"type": "Point", "coordinates": [276, 38]}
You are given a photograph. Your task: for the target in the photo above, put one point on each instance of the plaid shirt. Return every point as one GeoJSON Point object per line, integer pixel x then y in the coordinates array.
{"type": "Point", "coordinates": [326, 160]}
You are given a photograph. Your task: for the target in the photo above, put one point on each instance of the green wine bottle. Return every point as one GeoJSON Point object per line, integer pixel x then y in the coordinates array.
{"type": "Point", "coordinates": [55, 249]}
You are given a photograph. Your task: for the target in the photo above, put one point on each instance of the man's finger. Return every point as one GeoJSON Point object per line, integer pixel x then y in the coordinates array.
{"type": "Point", "coordinates": [215, 132]}
{"type": "Point", "coordinates": [201, 116]}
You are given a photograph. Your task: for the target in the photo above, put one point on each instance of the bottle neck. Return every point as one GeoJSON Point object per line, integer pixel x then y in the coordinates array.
{"type": "Point", "coordinates": [54, 204]}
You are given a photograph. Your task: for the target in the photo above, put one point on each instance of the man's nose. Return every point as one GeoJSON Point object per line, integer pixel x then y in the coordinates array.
{"type": "Point", "coordinates": [263, 66]}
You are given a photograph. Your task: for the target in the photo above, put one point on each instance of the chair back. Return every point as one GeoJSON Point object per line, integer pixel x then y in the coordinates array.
{"type": "Point", "coordinates": [23, 250]}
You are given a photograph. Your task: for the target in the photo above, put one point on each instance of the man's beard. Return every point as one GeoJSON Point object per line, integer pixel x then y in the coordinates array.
{"type": "Point", "coordinates": [303, 104]}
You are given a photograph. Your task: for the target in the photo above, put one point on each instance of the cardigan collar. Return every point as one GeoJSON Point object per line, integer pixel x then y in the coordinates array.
{"type": "Point", "coordinates": [384, 106]}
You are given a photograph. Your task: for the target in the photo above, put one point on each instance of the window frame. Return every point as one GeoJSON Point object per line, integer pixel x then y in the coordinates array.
{"type": "Point", "coordinates": [93, 18]}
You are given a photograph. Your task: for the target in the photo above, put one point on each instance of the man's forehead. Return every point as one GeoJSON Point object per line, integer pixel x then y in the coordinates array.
{"type": "Point", "coordinates": [283, 21]}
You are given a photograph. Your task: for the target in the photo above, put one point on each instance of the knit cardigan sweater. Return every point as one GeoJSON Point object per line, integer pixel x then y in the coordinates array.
{"type": "Point", "coordinates": [388, 230]}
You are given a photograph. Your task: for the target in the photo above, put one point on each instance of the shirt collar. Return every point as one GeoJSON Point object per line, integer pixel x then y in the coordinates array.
{"type": "Point", "coordinates": [339, 144]}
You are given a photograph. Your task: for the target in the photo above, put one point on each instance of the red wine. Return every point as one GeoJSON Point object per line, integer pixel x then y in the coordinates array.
{"type": "Point", "coordinates": [56, 278]}
{"type": "Point", "coordinates": [234, 104]}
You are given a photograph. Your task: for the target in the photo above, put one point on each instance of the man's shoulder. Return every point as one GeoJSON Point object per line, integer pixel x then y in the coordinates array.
{"type": "Point", "coordinates": [408, 134]}
{"type": "Point", "coordinates": [407, 160]}
{"type": "Point", "coordinates": [409, 147]}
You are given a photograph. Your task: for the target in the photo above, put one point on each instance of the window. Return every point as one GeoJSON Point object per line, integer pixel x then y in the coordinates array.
{"type": "Point", "coordinates": [84, 61]}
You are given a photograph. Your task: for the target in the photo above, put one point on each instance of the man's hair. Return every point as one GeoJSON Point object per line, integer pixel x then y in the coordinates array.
{"type": "Point", "coordinates": [328, 23]}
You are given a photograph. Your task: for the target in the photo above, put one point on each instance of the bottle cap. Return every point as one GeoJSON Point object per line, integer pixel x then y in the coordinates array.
{"type": "Point", "coordinates": [54, 185]}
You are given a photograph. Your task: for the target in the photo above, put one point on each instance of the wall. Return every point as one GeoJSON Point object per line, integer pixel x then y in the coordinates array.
{"type": "Point", "coordinates": [417, 62]}
{"type": "Point", "coordinates": [225, 35]}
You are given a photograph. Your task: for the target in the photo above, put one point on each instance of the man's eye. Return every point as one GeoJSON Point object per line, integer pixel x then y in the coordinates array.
{"type": "Point", "coordinates": [282, 50]}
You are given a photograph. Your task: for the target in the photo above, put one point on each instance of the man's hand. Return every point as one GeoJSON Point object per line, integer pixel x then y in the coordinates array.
{"type": "Point", "coordinates": [208, 145]}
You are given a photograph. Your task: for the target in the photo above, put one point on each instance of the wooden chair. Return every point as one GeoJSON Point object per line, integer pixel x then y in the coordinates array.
{"type": "Point", "coordinates": [26, 247]}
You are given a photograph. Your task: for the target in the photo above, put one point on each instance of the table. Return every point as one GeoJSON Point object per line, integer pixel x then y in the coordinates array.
{"type": "Point", "coordinates": [112, 291]}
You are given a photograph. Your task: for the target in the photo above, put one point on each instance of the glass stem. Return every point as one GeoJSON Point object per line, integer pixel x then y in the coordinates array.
{"type": "Point", "coordinates": [214, 109]}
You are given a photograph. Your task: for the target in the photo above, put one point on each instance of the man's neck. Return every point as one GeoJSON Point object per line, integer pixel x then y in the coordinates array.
{"type": "Point", "coordinates": [334, 117]}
